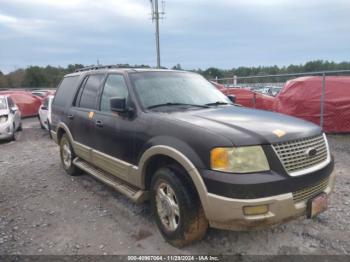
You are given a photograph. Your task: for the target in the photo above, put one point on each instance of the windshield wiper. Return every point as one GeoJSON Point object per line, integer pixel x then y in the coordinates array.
{"type": "Point", "coordinates": [218, 103]}
{"type": "Point", "coordinates": [177, 104]}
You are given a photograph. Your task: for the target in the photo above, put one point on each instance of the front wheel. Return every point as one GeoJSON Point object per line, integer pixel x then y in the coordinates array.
{"type": "Point", "coordinates": [176, 207]}
{"type": "Point", "coordinates": [67, 156]}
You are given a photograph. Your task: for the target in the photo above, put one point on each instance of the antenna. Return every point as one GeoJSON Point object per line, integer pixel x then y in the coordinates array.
{"type": "Point", "coordinates": [156, 15]}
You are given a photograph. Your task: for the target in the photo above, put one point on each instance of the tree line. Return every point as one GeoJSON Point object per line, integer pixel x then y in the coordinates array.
{"type": "Point", "coordinates": [50, 76]}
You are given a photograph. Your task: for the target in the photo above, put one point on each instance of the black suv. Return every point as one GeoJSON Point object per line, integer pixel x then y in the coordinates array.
{"type": "Point", "coordinates": [172, 138]}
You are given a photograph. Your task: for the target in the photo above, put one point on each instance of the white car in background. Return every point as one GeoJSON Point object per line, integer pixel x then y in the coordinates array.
{"type": "Point", "coordinates": [45, 112]}
{"type": "Point", "coordinates": [10, 118]}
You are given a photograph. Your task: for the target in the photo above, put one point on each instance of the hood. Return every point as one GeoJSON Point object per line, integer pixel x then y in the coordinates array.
{"type": "Point", "coordinates": [4, 112]}
{"type": "Point", "coordinates": [244, 126]}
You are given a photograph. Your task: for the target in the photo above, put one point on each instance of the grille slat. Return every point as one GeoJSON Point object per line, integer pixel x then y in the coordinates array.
{"type": "Point", "coordinates": [292, 157]}
{"type": "Point", "coordinates": [311, 191]}
{"type": "Point", "coordinates": [293, 154]}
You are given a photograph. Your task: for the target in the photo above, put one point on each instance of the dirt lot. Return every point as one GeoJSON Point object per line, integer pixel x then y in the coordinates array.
{"type": "Point", "coordinates": [44, 211]}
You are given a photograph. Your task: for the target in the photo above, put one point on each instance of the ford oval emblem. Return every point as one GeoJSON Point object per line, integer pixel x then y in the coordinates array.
{"type": "Point", "coordinates": [311, 152]}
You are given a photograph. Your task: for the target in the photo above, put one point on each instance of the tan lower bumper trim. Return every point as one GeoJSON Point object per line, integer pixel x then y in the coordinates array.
{"type": "Point", "coordinates": [227, 213]}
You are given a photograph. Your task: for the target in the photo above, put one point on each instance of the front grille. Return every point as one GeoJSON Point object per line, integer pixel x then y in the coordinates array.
{"type": "Point", "coordinates": [311, 191]}
{"type": "Point", "coordinates": [294, 154]}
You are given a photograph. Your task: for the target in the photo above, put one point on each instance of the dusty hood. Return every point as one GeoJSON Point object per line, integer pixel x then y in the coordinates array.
{"type": "Point", "coordinates": [245, 126]}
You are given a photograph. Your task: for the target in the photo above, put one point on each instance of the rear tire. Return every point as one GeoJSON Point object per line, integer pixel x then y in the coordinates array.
{"type": "Point", "coordinates": [14, 134]}
{"type": "Point", "coordinates": [176, 207]}
{"type": "Point", "coordinates": [67, 156]}
{"type": "Point", "coordinates": [49, 127]}
{"type": "Point", "coordinates": [41, 124]}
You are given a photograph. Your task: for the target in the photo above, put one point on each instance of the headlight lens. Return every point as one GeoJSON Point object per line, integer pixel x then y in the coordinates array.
{"type": "Point", "coordinates": [3, 119]}
{"type": "Point", "coordinates": [239, 159]}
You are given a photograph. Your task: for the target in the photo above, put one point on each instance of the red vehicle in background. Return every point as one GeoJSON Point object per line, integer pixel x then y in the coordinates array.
{"type": "Point", "coordinates": [301, 97]}
{"type": "Point", "coordinates": [28, 103]}
{"type": "Point", "coordinates": [248, 98]}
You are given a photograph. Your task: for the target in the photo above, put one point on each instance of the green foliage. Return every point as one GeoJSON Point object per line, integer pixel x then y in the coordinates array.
{"type": "Point", "coordinates": [50, 76]}
{"type": "Point", "coordinates": [177, 67]}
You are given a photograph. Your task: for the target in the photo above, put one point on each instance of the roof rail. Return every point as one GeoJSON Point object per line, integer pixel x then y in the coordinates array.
{"type": "Point", "coordinates": [88, 68]}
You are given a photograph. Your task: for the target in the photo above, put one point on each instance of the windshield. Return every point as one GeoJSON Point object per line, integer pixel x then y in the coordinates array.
{"type": "Point", "coordinates": [169, 88]}
{"type": "Point", "coordinates": [3, 104]}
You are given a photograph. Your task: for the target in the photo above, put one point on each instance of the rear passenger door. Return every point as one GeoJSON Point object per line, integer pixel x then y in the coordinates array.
{"type": "Point", "coordinates": [81, 115]}
{"type": "Point", "coordinates": [114, 132]}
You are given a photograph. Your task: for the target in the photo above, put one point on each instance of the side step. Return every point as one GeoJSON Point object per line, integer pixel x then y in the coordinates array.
{"type": "Point", "coordinates": [135, 194]}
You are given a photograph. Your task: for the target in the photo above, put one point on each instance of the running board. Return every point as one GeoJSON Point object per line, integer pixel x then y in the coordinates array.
{"type": "Point", "coordinates": [135, 194]}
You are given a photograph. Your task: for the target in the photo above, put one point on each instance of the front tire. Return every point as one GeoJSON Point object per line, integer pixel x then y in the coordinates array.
{"type": "Point", "coordinates": [67, 156]}
{"type": "Point", "coordinates": [176, 207]}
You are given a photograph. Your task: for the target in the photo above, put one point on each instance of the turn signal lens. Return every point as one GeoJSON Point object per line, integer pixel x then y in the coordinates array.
{"type": "Point", "coordinates": [219, 158]}
{"type": "Point", "coordinates": [255, 210]}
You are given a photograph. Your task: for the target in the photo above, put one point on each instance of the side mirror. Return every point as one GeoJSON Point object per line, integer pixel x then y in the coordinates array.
{"type": "Point", "coordinates": [232, 98]}
{"type": "Point", "coordinates": [118, 105]}
{"type": "Point", "coordinates": [13, 109]}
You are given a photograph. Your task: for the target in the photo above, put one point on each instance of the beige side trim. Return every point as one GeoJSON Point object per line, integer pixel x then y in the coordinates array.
{"type": "Point", "coordinates": [83, 151]}
{"type": "Point", "coordinates": [110, 164]}
{"type": "Point", "coordinates": [182, 160]}
{"type": "Point", "coordinates": [116, 167]}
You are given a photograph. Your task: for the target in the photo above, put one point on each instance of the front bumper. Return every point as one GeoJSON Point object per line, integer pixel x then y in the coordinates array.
{"type": "Point", "coordinates": [227, 213]}
{"type": "Point", "coordinates": [5, 131]}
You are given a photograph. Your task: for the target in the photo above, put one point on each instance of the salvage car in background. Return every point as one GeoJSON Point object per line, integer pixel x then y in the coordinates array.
{"type": "Point", "coordinates": [10, 118]}
{"type": "Point", "coordinates": [27, 103]}
{"type": "Point", "coordinates": [44, 112]}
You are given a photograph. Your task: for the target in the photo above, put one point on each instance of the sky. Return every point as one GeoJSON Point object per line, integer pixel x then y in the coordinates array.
{"type": "Point", "coordinates": [194, 33]}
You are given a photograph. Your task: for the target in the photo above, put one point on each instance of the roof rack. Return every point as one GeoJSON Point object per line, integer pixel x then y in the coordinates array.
{"type": "Point", "coordinates": [88, 68]}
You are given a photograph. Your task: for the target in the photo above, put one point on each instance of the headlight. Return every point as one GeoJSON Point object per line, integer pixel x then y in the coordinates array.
{"type": "Point", "coordinates": [3, 119]}
{"type": "Point", "coordinates": [239, 159]}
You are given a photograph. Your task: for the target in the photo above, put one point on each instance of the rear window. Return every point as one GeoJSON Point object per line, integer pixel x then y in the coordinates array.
{"type": "Point", "coordinates": [66, 91]}
{"type": "Point", "coordinates": [89, 95]}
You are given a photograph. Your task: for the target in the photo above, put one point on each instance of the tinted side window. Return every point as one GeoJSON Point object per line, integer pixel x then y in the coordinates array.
{"type": "Point", "coordinates": [66, 90]}
{"type": "Point", "coordinates": [90, 92]}
{"type": "Point", "coordinates": [114, 87]}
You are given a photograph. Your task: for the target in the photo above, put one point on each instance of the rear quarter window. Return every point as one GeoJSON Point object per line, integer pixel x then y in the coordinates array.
{"type": "Point", "coordinates": [66, 91]}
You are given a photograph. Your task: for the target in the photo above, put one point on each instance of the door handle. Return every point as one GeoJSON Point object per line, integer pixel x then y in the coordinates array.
{"type": "Point", "coordinates": [99, 123]}
{"type": "Point", "coordinates": [70, 116]}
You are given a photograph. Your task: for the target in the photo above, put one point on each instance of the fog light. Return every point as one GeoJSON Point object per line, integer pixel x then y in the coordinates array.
{"type": "Point", "coordinates": [255, 210]}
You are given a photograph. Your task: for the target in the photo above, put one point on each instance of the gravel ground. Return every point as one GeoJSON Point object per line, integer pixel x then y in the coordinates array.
{"type": "Point", "coordinates": [44, 211]}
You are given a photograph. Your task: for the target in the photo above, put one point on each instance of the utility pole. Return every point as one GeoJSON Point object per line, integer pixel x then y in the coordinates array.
{"type": "Point", "coordinates": [157, 33]}
{"type": "Point", "coordinates": [156, 15]}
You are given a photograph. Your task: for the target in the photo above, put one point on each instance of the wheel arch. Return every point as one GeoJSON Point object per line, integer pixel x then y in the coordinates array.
{"type": "Point", "coordinates": [156, 155]}
{"type": "Point", "coordinates": [63, 129]}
